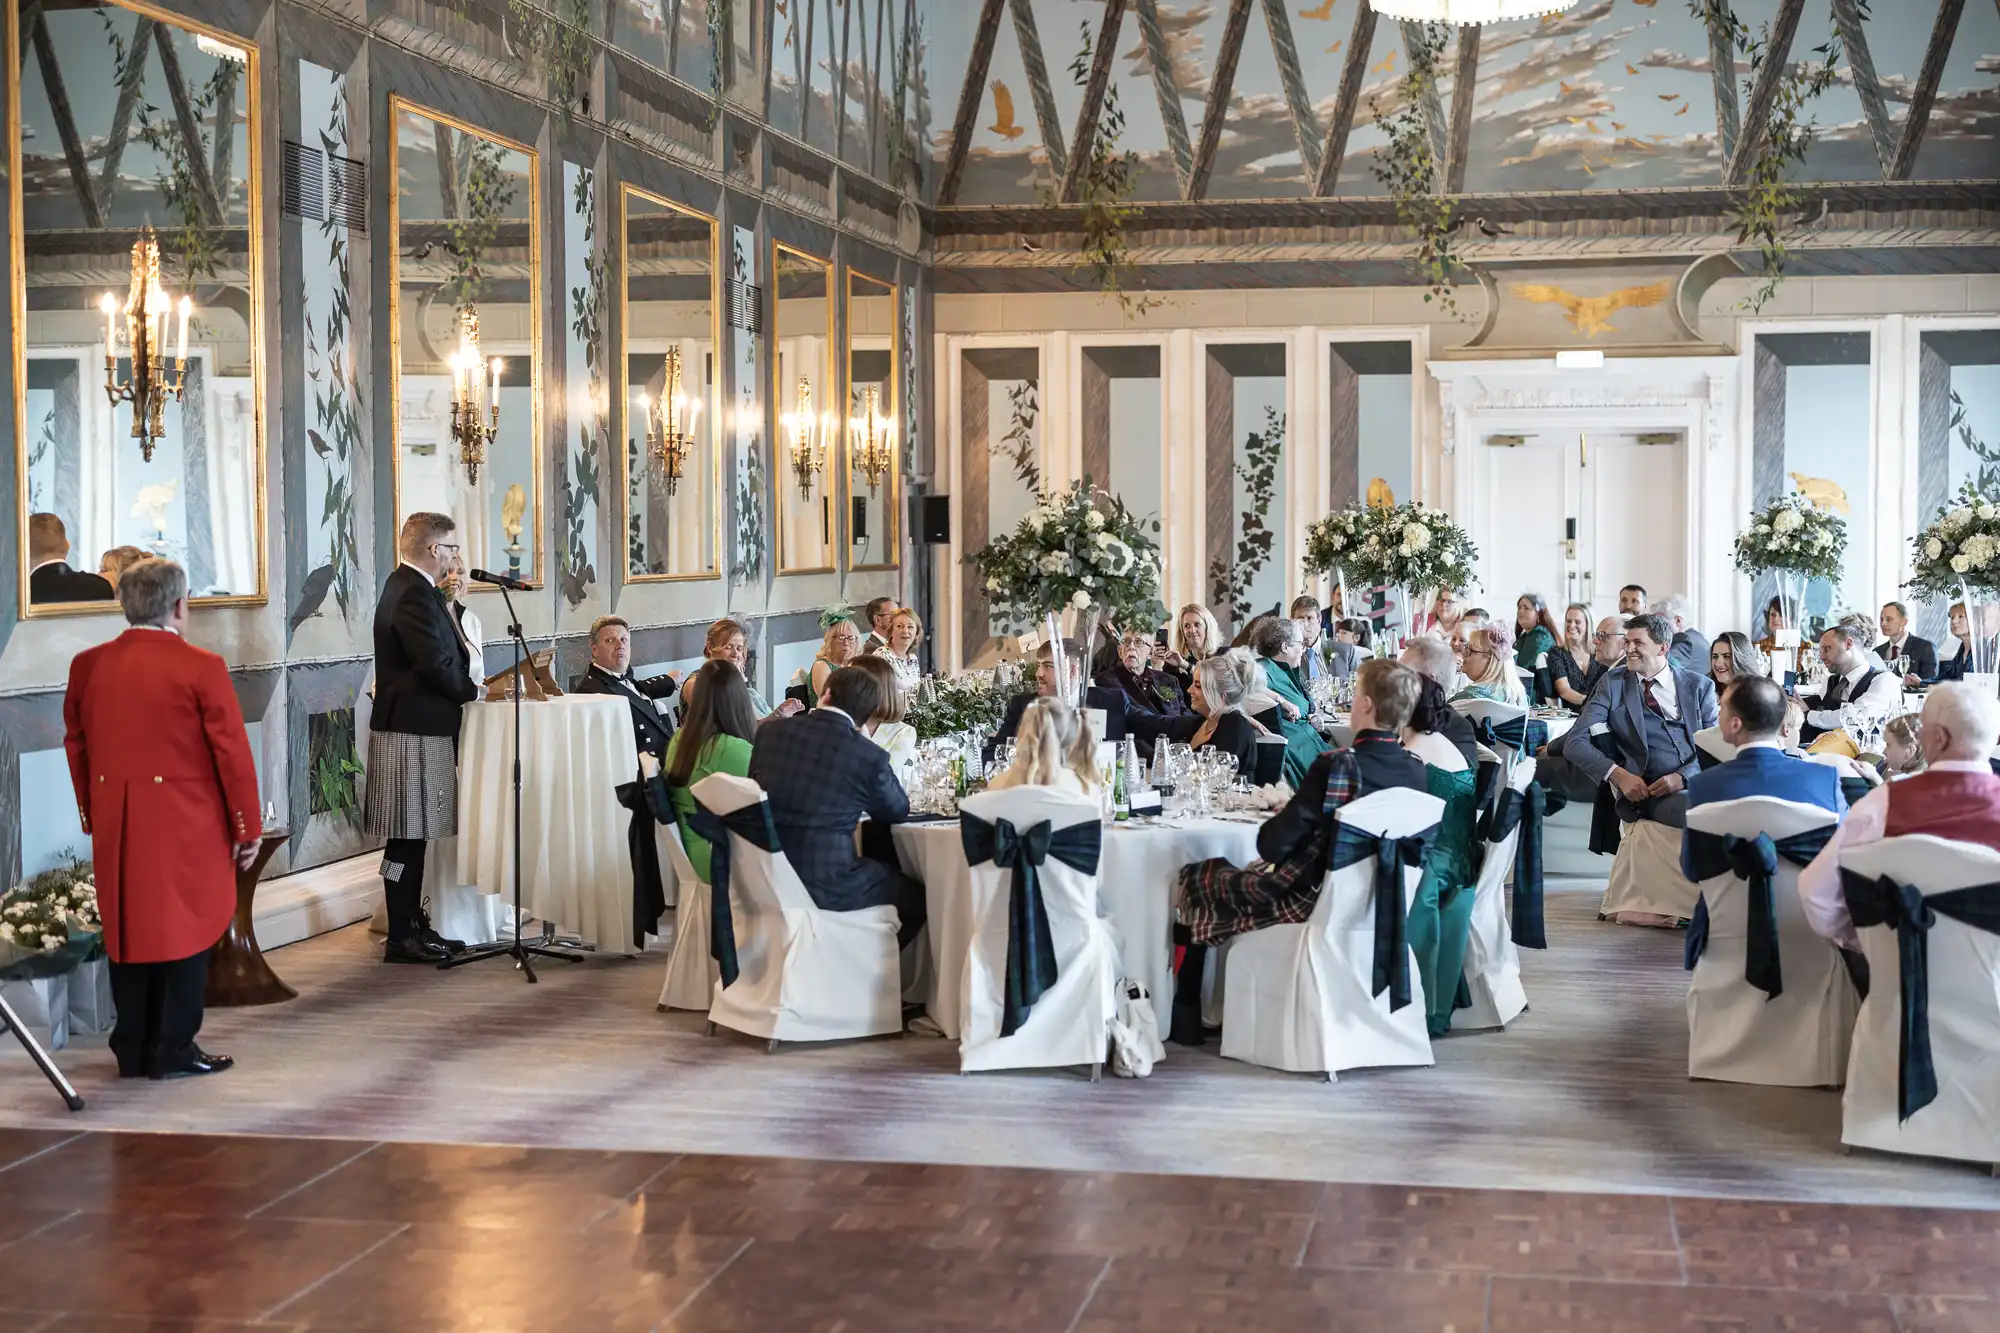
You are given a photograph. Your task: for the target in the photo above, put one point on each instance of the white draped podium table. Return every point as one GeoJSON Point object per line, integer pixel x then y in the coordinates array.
{"type": "Point", "coordinates": [576, 868]}
{"type": "Point", "coordinates": [1137, 877]}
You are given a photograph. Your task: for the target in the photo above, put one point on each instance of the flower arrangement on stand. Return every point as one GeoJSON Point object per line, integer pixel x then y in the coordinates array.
{"type": "Point", "coordinates": [1332, 546]}
{"type": "Point", "coordinates": [52, 953]}
{"type": "Point", "coordinates": [1410, 547]}
{"type": "Point", "coordinates": [1957, 558]}
{"type": "Point", "coordinates": [1797, 542]}
{"type": "Point", "coordinates": [951, 705]}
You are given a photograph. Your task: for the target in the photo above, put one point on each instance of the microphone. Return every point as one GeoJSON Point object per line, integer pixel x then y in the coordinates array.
{"type": "Point", "coordinates": [507, 581]}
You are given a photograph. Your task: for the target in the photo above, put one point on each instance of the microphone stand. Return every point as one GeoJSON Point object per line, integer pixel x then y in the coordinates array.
{"type": "Point", "coordinates": [515, 949]}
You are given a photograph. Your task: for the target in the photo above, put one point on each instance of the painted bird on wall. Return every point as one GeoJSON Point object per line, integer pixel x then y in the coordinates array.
{"type": "Point", "coordinates": [1004, 124]}
{"type": "Point", "coordinates": [1379, 494]}
{"type": "Point", "coordinates": [1323, 11]}
{"type": "Point", "coordinates": [1828, 495]}
{"type": "Point", "coordinates": [1589, 315]}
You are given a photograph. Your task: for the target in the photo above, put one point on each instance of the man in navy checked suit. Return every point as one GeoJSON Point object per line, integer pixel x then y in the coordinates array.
{"type": "Point", "coordinates": [822, 773]}
{"type": "Point", "coordinates": [1752, 720]}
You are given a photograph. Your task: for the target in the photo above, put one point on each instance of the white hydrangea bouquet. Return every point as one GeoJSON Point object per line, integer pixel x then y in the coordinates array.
{"type": "Point", "coordinates": [50, 924]}
{"type": "Point", "coordinates": [1075, 550]}
{"type": "Point", "coordinates": [1958, 555]}
{"type": "Point", "coordinates": [1413, 546]}
{"type": "Point", "coordinates": [1333, 544]}
{"type": "Point", "coordinates": [1793, 536]}
{"type": "Point", "coordinates": [969, 701]}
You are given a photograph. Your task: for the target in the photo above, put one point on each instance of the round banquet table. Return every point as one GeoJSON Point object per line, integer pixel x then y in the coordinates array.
{"type": "Point", "coordinates": [576, 867]}
{"type": "Point", "coordinates": [1136, 880]}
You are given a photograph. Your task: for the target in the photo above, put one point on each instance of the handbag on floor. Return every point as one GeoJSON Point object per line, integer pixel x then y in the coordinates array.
{"type": "Point", "coordinates": [1135, 1032]}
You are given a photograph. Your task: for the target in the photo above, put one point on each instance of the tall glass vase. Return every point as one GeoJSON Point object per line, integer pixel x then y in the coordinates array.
{"type": "Point", "coordinates": [1982, 618]}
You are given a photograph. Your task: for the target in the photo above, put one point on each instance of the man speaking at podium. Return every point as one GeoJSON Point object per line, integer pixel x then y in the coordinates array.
{"type": "Point", "coordinates": [423, 678]}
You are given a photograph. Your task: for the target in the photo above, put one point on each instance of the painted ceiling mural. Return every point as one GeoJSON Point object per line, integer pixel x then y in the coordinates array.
{"type": "Point", "coordinates": [1614, 95]}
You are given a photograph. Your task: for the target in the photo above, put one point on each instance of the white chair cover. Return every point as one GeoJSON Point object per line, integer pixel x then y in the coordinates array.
{"type": "Point", "coordinates": [803, 974]}
{"type": "Point", "coordinates": [1299, 997]}
{"type": "Point", "coordinates": [1492, 962]}
{"type": "Point", "coordinates": [1736, 1033]}
{"type": "Point", "coordinates": [1492, 710]}
{"type": "Point", "coordinates": [1964, 1122]}
{"type": "Point", "coordinates": [1069, 1023]}
{"type": "Point", "coordinates": [1709, 741]}
{"type": "Point", "coordinates": [1646, 873]}
{"type": "Point", "coordinates": [691, 973]}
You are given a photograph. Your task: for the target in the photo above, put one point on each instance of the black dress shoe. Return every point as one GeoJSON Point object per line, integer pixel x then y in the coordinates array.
{"type": "Point", "coordinates": [201, 1062]}
{"type": "Point", "coordinates": [428, 934]}
{"type": "Point", "coordinates": [414, 949]}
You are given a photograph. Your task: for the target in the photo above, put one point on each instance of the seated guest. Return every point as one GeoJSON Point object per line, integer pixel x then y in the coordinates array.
{"type": "Point", "coordinates": [1690, 648]}
{"type": "Point", "coordinates": [1856, 680]}
{"type": "Point", "coordinates": [1196, 637]}
{"type": "Point", "coordinates": [1305, 614]}
{"type": "Point", "coordinates": [1898, 641]}
{"type": "Point", "coordinates": [1216, 900]}
{"type": "Point", "coordinates": [1104, 655]}
{"type": "Point", "coordinates": [1535, 631]}
{"type": "Point", "coordinates": [717, 725]}
{"type": "Point", "coordinates": [1046, 684]}
{"type": "Point", "coordinates": [1489, 670]}
{"type": "Point", "coordinates": [1446, 610]}
{"type": "Point", "coordinates": [610, 672]}
{"type": "Point", "coordinates": [1461, 634]}
{"type": "Point", "coordinates": [1648, 714]}
{"type": "Point", "coordinates": [1568, 662]}
{"type": "Point", "coordinates": [1218, 718]}
{"type": "Point", "coordinates": [729, 641]}
{"type": "Point", "coordinates": [1632, 600]}
{"type": "Point", "coordinates": [1279, 648]}
{"type": "Point", "coordinates": [879, 614]}
{"type": "Point", "coordinates": [1960, 663]}
{"type": "Point", "coordinates": [822, 776]}
{"type": "Point", "coordinates": [1152, 698]}
{"type": "Point", "coordinates": [1784, 660]}
{"type": "Point", "coordinates": [1349, 649]}
{"type": "Point", "coordinates": [886, 727]}
{"type": "Point", "coordinates": [1731, 657]}
{"type": "Point", "coordinates": [1441, 917]}
{"type": "Point", "coordinates": [1752, 718]}
{"type": "Point", "coordinates": [1956, 797]}
{"type": "Point", "coordinates": [1903, 746]}
{"type": "Point", "coordinates": [840, 645]}
{"type": "Point", "coordinates": [1054, 751]}
{"type": "Point", "coordinates": [1430, 657]}
{"type": "Point", "coordinates": [906, 631]}
{"type": "Point", "coordinates": [117, 560]}
{"type": "Point", "coordinates": [50, 578]}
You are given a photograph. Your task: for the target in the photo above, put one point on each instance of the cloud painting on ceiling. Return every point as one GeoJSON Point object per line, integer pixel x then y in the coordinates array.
{"type": "Point", "coordinates": [1615, 94]}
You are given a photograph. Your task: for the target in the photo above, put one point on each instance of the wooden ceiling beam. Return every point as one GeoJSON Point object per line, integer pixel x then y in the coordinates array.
{"type": "Point", "coordinates": [1925, 95]}
{"type": "Point", "coordinates": [1083, 144]}
{"type": "Point", "coordinates": [1433, 105]}
{"type": "Point", "coordinates": [1039, 90]}
{"type": "Point", "coordinates": [129, 81]}
{"type": "Point", "coordinates": [1769, 72]}
{"type": "Point", "coordinates": [190, 125]}
{"type": "Point", "coordinates": [1305, 124]}
{"type": "Point", "coordinates": [1164, 90]}
{"type": "Point", "coordinates": [1222, 81]}
{"type": "Point", "coordinates": [971, 95]}
{"type": "Point", "coordinates": [72, 143]}
{"type": "Point", "coordinates": [1722, 74]}
{"type": "Point", "coordinates": [1360, 42]}
{"type": "Point", "coordinates": [1847, 18]}
{"type": "Point", "coordinates": [1464, 86]}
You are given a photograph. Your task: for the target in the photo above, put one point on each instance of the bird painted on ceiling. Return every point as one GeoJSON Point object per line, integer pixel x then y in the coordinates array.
{"type": "Point", "coordinates": [1004, 124]}
{"type": "Point", "coordinates": [1589, 315]}
{"type": "Point", "coordinates": [1684, 109]}
{"type": "Point", "coordinates": [1324, 11]}
{"type": "Point", "coordinates": [1630, 68]}
{"type": "Point", "coordinates": [1335, 47]}
{"type": "Point", "coordinates": [1824, 494]}
{"type": "Point", "coordinates": [1645, 4]}
{"type": "Point", "coordinates": [1669, 97]}
{"type": "Point", "coordinates": [1564, 88]}
{"type": "Point", "coordinates": [1617, 125]}
{"type": "Point", "coordinates": [1388, 64]}
{"type": "Point", "coordinates": [1379, 494]}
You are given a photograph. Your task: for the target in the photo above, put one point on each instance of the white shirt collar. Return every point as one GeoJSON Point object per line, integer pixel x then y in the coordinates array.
{"type": "Point", "coordinates": [404, 564]}
{"type": "Point", "coordinates": [57, 560]}
{"type": "Point", "coordinates": [1773, 744]}
{"type": "Point", "coordinates": [159, 629]}
{"type": "Point", "coordinates": [1853, 675]}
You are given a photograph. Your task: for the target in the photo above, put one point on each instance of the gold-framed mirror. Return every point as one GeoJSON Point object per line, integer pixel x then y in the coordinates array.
{"type": "Point", "coordinates": [806, 398]}
{"type": "Point", "coordinates": [873, 455]}
{"type": "Point", "coordinates": [135, 151]}
{"type": "Point", "coordinates": [465, 334]}
{"type": "Point", "coordinates": [672, 461]}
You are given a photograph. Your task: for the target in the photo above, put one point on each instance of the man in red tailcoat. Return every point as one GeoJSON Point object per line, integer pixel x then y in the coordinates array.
{"type": "Point", "coordinates": [168, 793]}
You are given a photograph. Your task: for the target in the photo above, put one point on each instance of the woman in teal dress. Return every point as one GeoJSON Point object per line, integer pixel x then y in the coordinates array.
{"type": "Point", "coordinates": [716, 725]}
{"type": "Point", "coordinates": [1535, 630]}
{"type": "Point", "coordinates": [1440, 919]}
{"type": "Point", "coordinates": [1278, 645]}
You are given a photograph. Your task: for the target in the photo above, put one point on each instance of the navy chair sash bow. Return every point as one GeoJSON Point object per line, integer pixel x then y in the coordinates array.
{"type": "Point", "coordinates": [1524, 809]}
{"type": "Point", "coordinates": [1755, 862]}
{"type": "Point", "coordinates": [1524, 735]}
{"type": "Point", "coordinates": [752, 824]}
{"type": "Point", "coordinates": [1881, 901]}
{"type": "Point", "coordinates": [1031, 950]}
{"type": "Point", "coordinates": [1391, 856]}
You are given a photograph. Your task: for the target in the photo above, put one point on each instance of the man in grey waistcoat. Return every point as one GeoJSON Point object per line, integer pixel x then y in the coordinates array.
{"type": "Point", "coordinates": [1642, 723]}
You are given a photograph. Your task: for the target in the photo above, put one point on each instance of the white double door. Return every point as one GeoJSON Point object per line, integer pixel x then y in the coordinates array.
{"type": "Point", "coordinates": [1575, 516]}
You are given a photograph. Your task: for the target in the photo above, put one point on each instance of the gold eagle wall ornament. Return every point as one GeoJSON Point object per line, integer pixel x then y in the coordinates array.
{"type": "Point", "coordinates": [1589, 315]}
{"type": "Point", "coordinates": [1828, 495]}
{"type": "Point", "coordinates": [1379, 494]}
{"type": "Point", "coordinates": [1004, 123]}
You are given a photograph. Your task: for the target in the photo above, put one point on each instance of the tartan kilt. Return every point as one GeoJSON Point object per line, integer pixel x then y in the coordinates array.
{"type": "Point", "coordinates": [412, 786]}
{"type": "Point", "coordinates": [1218, 899]}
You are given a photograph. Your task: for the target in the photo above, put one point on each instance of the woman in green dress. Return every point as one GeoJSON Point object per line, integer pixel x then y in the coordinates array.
{"type": "Point", "coordinates": [1441, 917]}
{"type": "Point", "coordinates": [717, 722]}
{"type": "Point", "coordinates": [1535, 630]}
{"type": "Point", "coordinates": [1278, 645]}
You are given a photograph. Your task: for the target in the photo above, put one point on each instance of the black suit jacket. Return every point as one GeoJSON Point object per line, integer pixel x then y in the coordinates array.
{"type": "Point", "coordinates": [1921, 652]}
{"type": "Point", "coordinates": [821, 776]}
{"type": "Point", "coordinates": [650, 727]}
{"type": "Point", "coordinates": [423, 673]}
{"type": "Point", "coordinates": [1234, 734]}
{"type": "Point", "coordinates": [1382, 761]}
{"type": "Point", "coordinates": [57, 582]}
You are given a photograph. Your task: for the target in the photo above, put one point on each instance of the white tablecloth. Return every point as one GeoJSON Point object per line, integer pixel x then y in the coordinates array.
{"type": "Point", "coordinates": [1136, 881]}
{"type": "Point", "coordinates": [576, 868]}
{"type": "Point", "coordinates": [1341, 734]}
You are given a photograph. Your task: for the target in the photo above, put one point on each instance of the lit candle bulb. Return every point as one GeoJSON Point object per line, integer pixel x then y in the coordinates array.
{"type": "Point", "coordinates": [495, 399]}
{"type": "Point", "coordinates": [181, 352]}
{"type": "Point", "coordinates": [109, 305]}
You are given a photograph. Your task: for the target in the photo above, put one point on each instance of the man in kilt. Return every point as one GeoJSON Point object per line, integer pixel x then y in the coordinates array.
{"type": "Point", "coordinates": [422, 679]}
{"type": "Point", "coordinates": [1218, 900]}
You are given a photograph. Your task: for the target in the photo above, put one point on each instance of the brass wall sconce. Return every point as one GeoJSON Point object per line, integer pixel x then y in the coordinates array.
{"type": "Point", "coordinates": [146, 310]}
{"type": "Point", "coordinates": [472, 435]}
{"type": "Point", "coordinates": [874, 439]}
{"type": "Point", "coordinates": [810, 443]}
{"type": "Point", "coordinates": [670, 423]}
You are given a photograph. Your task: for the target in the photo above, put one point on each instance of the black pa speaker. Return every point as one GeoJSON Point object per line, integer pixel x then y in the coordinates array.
{"type": "Point", "coordinates": [930, 518]}
{"type": "Point", "coordinates": [857, 527]}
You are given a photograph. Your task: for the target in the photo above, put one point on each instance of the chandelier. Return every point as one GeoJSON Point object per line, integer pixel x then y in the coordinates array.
{"type": "Point", "coordinates": [810, 443]}
{"type": "Point", "coordinates": [670, 423]}
{"type": "Point", "coordinates": [469, 432]}
{"type": "Point", "coordinates": [148, 385]}
{"type": "Point", "coordinates": [874, 438]}
{"type": "Point", "coordinates": [1468, 12]}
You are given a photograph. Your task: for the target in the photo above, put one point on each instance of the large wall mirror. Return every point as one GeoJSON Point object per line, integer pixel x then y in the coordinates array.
{"type": "Point", "coordinates": [672, 329]}
{"type": "Point", "coordinates": [465, 273]}
{"type": "Point", "coordinates": [136, 195]}
{"type": "Point", "coordinates": [874, 454]}
{"type": "Point", "coordinates": [805, 392]}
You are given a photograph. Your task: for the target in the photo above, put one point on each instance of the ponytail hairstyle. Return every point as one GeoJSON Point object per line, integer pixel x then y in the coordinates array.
{"type": "Point", "coordinates": [1052, 738]}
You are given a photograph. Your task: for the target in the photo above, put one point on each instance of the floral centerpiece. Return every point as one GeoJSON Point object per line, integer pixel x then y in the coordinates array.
{"type": "Point", "coordinates": [1796, 541]}
{"type": "Point", "coordinates": [1075, 550]}
{"type": "Point", "coordinates": [1957, 558]}
{"type": "Point", "coordinates": [50, 924]}
{"type": "Point", "coordinates": [1333, 545]}
{"type": "Point", "coordinates": [1407, 546]}
{"type": "Point", "coordinates": [949, 705]}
